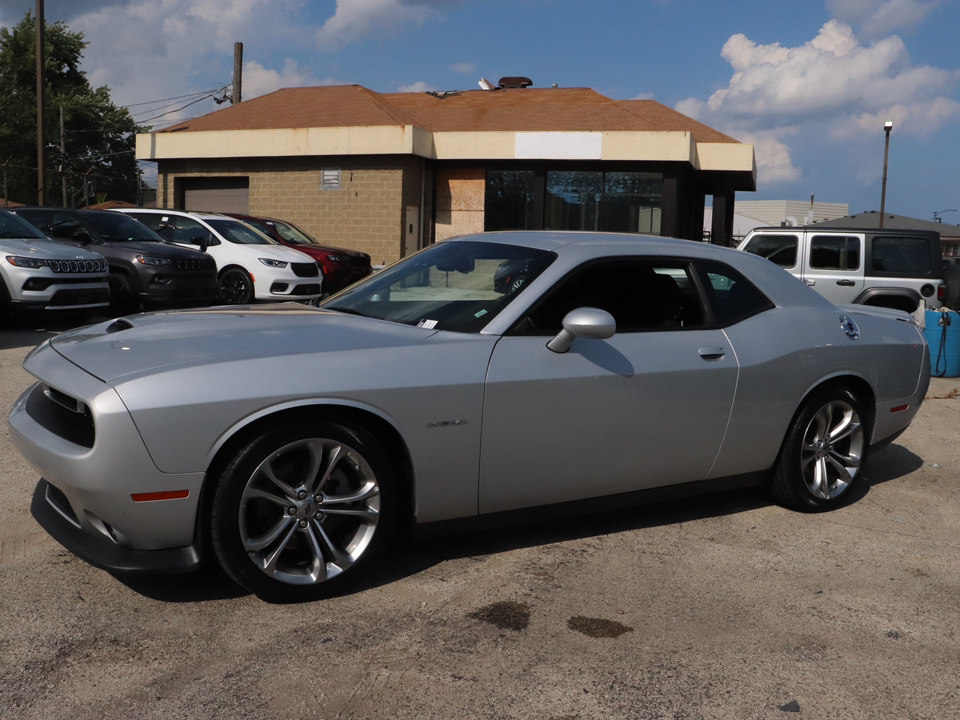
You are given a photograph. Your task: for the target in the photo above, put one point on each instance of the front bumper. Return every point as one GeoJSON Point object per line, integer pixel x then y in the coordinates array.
{"type": "Point", "coordinates": [49, 511]}
{"type": "Point", "coordinates": [109, 493]}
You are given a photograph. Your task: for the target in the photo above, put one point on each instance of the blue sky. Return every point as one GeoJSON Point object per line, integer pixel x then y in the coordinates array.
{"type": "Point", "coordinates": [809, 83]}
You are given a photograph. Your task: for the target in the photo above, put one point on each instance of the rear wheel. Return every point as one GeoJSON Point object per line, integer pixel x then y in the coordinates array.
{"type": "Point", "coordinates": [822, 453]}
{"type": "Point", "coordinates": [303, 510]}
{"type": "Point", "coordinates": [236, 287]}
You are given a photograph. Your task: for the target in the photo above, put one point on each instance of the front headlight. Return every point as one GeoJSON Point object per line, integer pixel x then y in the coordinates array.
{"type": "Point", "coordinates": [58, 266]}
{"type": "Point", "coordinates": [26, 262]}
{"type": "Point", "coordinates": [150, 260]}
{"type": "Point", "coordinates": [335, 258]}
{"type": "Point", "coordinates": [273, 263]}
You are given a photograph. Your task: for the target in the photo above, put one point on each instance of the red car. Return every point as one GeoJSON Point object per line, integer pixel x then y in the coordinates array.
{"type": "Point", "coordinates": [341, 267]}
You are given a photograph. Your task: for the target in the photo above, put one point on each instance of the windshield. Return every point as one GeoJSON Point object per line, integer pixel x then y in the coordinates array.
{"type": "Point", "coordinates": [458, 286]}
{"type": "Point", "coordinates": [239, 232]}
{"type": "Point", "coordinates": [114, 227]}
{"type": "Point", "coordinates": [291, 234]}
{"type": "Point", "coordinates": [13, 228]}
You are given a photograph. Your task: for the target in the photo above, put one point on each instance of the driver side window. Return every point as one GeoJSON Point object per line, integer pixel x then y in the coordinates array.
{"type": "Point", "coordinates": [642, 294]}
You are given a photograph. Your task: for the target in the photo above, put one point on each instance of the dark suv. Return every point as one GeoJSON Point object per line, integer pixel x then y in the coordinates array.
{"type": "Point", "coordinates": [144, 268]}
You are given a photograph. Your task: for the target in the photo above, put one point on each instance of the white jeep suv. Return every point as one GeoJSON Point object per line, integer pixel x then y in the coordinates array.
{"type": "Point", "coordinates": [250, 265]}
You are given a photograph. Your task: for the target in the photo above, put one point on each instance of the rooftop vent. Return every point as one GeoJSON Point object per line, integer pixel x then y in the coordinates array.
{"type": "Point", "coordinates": [515, 82]}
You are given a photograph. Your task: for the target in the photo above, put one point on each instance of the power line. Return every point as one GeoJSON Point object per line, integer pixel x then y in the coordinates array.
{"type": "Point", "coordinates": [170, 112]}
{"type": "Point", "coordinates": [179, 97]}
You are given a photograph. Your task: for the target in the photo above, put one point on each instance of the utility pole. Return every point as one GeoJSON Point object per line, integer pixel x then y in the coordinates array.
{"type": "Point", "coordinates": [41, 181]}
{"type": "Point", "coordinates": [63, 159]}
{"type": "Point", "coordinates": [237, 72]}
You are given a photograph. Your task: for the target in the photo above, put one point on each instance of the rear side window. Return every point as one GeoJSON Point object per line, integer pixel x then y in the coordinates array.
{"type": "Point", "coordinates": [835, 252]}
{"type": "Point", "coordinates": [731, 296]}
{"type": "Point", "coordinates": [779, 249]}
{"type": "Point", "coordinates": [901, 255]}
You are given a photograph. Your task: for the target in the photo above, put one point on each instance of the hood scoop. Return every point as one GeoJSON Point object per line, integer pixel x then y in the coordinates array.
{"type": "Point", "coordinates": [119, 324]}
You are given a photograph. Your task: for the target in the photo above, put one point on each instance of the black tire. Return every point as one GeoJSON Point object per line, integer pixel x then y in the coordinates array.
{"type": "Point", "coordinates": [951, 281]}
{"type": "Point", "coordinates": [823, 452]}
{"type": "Point", "coordinates": [236, 287]}
{"type": "Point", "coordinates": [123, 299]}
{"type": "Point", "coordinates": [304, 510]}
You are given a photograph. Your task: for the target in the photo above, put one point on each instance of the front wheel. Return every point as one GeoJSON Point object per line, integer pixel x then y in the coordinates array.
{"type": "Point", "coordinates": [822, 453]}
{"type": "Point", "coordinates": [304, 509]}
{"type": "Point", "coordinates": [236, 287]}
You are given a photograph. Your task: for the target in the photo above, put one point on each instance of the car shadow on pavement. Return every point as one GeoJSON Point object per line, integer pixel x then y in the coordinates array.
{"type": "Point", "coordinates": [417, 555]}
{"type": "Point", "coordinates": [208, 583]}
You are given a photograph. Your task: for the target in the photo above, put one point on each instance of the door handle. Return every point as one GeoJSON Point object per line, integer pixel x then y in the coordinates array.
{"type": "Point", "coordinates": [846, 283]}
{"type": "Point", "coordinates": [811, 283]}
{"type": "Point", "coordinates": [711, 353]}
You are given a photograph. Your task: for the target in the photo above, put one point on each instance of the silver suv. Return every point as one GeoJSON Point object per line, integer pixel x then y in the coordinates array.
{"type": "Point", "coordinates": [888, 268]}
{"type": "Point", "coordinates": [38, 273]}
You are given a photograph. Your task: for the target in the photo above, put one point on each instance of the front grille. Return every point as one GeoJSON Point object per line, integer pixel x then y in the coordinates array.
{"type": "Point", "coordinates": [199, 264]}
{"type": "Point", "coordinates": [305, 269]}
{"type": "Point", "coordinates": [306, 290]}
{"type": "Point", "coordinates": [65, 298]}
{"type": "Point", "coordinates": [62, 415]}
{"type": "Point", "coordinates": [77, 266]}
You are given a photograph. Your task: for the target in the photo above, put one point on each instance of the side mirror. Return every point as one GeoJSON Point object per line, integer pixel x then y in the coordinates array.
{"type": "Point", "coordinates": [201, 241]}
{"type": "Point", "coordinates": [585, 322]}
{"type": "Point", "coordinates": [81, 236]}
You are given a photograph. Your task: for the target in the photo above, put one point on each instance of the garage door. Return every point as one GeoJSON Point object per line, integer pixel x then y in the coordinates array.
{"type": "Point", "coordinates": [228, 195]}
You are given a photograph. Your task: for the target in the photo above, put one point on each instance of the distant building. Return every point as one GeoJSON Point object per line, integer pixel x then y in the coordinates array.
{"type": "Point", "coordinates": [792, 212]}
{"type": "Point", "coordinates": [391, 173]}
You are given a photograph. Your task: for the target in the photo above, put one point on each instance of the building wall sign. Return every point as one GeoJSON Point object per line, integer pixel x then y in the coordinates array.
{"type": "Point", "coordinates": [559, 145]}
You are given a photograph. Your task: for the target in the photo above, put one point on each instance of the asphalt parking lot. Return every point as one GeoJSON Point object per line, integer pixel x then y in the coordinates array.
{"type": "Point", "coordinates": [721, 607]}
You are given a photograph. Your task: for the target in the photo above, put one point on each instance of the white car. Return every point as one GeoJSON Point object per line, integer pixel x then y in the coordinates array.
{"type": "Point", "coordinates": [37, 273]}
{"type": "Point", "coordinates": [250, 265]}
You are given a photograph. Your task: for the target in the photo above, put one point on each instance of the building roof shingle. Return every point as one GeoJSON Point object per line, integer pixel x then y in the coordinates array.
{"type": "Point", "coordinates": [509, 110]}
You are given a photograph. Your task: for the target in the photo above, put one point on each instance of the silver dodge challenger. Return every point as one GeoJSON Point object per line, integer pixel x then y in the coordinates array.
{"type": "Point", "coordinates": [485, 379]}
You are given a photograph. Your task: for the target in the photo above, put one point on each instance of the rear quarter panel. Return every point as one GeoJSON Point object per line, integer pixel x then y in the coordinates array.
{"type": "Point", "coordinates": [788, 352]}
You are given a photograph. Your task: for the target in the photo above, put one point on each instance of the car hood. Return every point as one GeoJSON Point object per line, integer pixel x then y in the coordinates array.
{"type": "Point", "coordinates": [153, 248]}
{"type": "Point", "coordinates": [141, 345]}
{"type": "Point", "coordinates": [46, 249]}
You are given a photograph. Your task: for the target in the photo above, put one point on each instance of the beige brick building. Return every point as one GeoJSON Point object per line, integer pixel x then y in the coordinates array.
{"type": "Point", "coordinates": [390, 173]}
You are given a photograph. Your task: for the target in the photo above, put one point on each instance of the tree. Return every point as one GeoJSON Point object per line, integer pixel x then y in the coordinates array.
{"type": "Point", "coordinates": [99, 137]}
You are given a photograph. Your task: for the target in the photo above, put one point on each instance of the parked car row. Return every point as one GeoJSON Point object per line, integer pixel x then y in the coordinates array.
{"type": "Point", "coordinates": [132, 258]}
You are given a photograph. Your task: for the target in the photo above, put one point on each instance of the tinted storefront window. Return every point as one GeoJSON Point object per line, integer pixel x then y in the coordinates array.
{"type": "Point", "coordinates": [573, 200]}
{"type": "Point", "coordinates": [632, 202]}
{"type": "Point", "coordinates": [628, 202]}
{"type": "Point", "coordinates": [514, 200]}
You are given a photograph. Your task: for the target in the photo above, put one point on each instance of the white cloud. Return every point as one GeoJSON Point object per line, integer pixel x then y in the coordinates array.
{"type": "Point", "coordinates": [464, 68]}
{"type": "Point", "coordinates": [834, 85]}
{"type": "Point", "coordinates": [355, 20]}
{"type": "Point", "coordinates": [774, 163]}
{"type": "Point", "coordinates": [879, 18]}
{"type": "Point", "coordinates": [258, 80]}
{"type": "Point", "coordinates": [416, 87]}
{"type": "Point", "coordinates": [645, 96]}
{"type": "Point", "coordinates": [170, 48]}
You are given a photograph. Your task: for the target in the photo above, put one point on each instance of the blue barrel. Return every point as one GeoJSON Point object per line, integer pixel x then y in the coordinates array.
{"type": "Point", "coordinates": [943, 336]}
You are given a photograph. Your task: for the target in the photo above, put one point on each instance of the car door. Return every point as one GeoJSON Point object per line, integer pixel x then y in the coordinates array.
{"type": "Point", "coordinates": [834, 265]}
{"type": "Point", "coordinates": [644, 408]}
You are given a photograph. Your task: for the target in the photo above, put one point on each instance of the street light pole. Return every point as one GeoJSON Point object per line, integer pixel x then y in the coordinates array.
{"type": "Point", "coordinates": [887, 127]}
